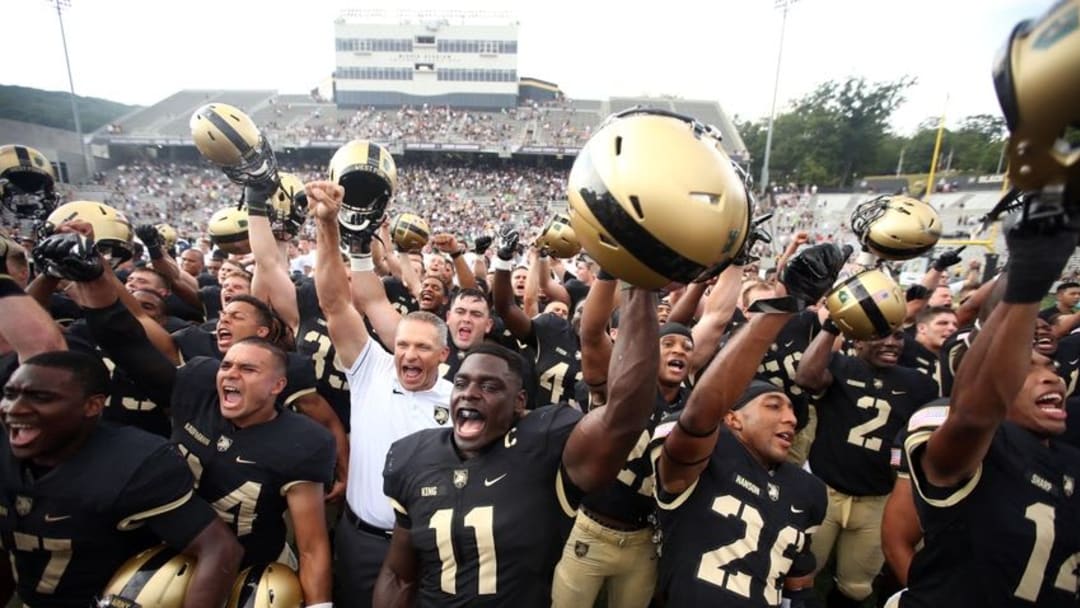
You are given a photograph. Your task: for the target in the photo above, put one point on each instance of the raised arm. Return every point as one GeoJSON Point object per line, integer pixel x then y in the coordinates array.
{"type": "Point", "coordinates": [813, 373]}
{"type": "Point", "coordinates": [686, 307]}
{"type": "Point", "coordinates": [597, 447]}
{"type": "Point", "coordinates": [369, 297]}
{"type": "Point", "coordinates": [549, 288]}
{"type": "Point", "coordinates": [719, 308]}
{"type": "Point", "coordinates": [270, 282]}
{"type": "Point", "coordinates": [181, 283]}
{"type": "Point", "coordinates": [345, 325]}
{"type": "Point", "coordinates": [519, 324]}
{"type": "Point", "coordinates": [995, 366]}
{"type": "Point", "coordinates": [687, 448]}
{"type": "Point", "coordinates": [595, 341]}
{"type": "Point", "coordinates": [448, 243]}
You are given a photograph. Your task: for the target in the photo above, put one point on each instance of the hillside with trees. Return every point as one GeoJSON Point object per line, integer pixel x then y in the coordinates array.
{"type": "Point", "coordinates": [53, 108]}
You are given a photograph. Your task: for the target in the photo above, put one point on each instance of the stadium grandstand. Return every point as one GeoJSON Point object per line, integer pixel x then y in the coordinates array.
{"type": "Point", "coordinates": [482, 148]}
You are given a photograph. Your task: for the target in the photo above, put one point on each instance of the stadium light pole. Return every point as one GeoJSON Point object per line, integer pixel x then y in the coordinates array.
{"type": "Point", "coordinates": [60, 6]}
{"type": "Point", "coordinates": [783, 5]}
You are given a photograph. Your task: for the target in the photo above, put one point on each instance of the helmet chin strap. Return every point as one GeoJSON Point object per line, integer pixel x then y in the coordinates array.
{"type": "Point", "coordinates": [866, 259]}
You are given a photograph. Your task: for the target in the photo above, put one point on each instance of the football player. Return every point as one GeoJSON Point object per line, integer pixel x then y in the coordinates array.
{"type": "Point", "coordinates": [81, 496]}
{"type": "Point", "coordinates": [994, 490]}
{"type": "Point", "coordinates": [861, 403]}
{"type": "Point", "coordinates": [251, 460]}
{"type": "Point", "coordinates": [735, 517]}
{"type": "Point", "coordinates": [933, 327]}
{"type": "Point", "coordinates": [550, 341]}
{"type": "Point", "coordinates": [482, 509]}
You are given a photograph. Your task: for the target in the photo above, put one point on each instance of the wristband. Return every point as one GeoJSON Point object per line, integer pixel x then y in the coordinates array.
{"type": "Point", "coordinates": [604, 275]}
{"type": "Point", "coordinates": [8, 287]}
{"type": "Point", "coordinates": [456, 254]}
{"type": "Point", "coordinates": [361, 262]}
{"type": "Point", "coordinates": [830, 327]}
{"type": "Point", "coordinates": [320, 605]}
{"type": "Point", "coordinates": [156, 253]}
{"type": "Point", "coordinates": [692, 433]}
{"type": "Point", "coordinates": [501, 264]}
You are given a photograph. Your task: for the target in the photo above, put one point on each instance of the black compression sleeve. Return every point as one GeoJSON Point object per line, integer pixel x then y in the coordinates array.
{"type": "Point", "coordinates": [124, 340]}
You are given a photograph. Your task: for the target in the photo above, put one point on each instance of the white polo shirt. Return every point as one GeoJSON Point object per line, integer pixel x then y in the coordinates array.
{"type": "Point", "coordinates": [381, 412]}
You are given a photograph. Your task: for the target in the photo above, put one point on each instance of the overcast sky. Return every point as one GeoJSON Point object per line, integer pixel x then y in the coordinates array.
{"type": "Point", "coordinates": [140, 51]}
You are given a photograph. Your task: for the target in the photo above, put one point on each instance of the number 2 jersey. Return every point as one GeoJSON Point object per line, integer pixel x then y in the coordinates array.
{"type": "Point", "coordinates": [69, 529]}
{"type": "Point", "coordinates": [733, 536]}
{"type": "Point", "coordinates": [245, 473]}
{"type": "Point", "coordinates": [488, 530]}
{"type": "Point", "coordinates": [1008, 536]}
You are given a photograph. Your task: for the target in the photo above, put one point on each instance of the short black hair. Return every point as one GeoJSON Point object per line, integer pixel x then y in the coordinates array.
{"type": "Point", "coordinates": [1067, 285]}
{"type": "Point", "coordinates": [266, 317]}
{"type": "Point", "coordinates": [88, 370]}
{"type": "Point", "coordinates": [930, 312]}
{"type": "Point", "coordinates": [281, 360]}
{"type": "Point", "coordinates": [514, 362]}
{"type": "Point", "coordinates": [471, 292]}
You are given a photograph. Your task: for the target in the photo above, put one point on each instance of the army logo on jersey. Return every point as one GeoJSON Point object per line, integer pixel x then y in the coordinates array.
{"type": "Point", "coordinates": [581, 549]}
{"type": "Point", "coordinates": [23, 505]}
{"type": "Point", "coordinates": [442, 414]}
{"type": "Point", "coordinates": [223, 443]}
{"type": "Point", "coordinates": [461, 477]}
{"type": "Point", "coordinates": [774, 492]}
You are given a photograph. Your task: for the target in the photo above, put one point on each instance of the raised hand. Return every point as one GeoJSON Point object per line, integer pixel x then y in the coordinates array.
{"type": "Point", "coordinates": [508, 242]}
{"type": "Point", "coordinates": [69, 255]}
{"type": "Point", "coordinates": [481, 245]}
{"type": "Point", "coordinates": [950, 257]}
{"type": "Point", "coordinates": [811, 273]}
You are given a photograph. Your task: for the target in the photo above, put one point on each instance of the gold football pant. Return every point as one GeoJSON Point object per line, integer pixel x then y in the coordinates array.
{"type": "Point", "coordinates": [853, 526]}
{"type": "Point", "coordinates": [594, 554]}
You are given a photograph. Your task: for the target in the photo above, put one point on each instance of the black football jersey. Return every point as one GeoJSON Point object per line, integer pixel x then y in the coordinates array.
{"type": "Point", "coordinates": [1067, 362]}
{"type": "Point", "coordinates": [858, 417]}
{"type": "Point", "coordinates": [194, 342]}
{"type": "Point", "coordinates": [1005, 537]}
{"type": "Point", "coordinates": [555, 350]}
{"type": "Point", "coordinates": [952, 351]}
{"type": "Point", "coordinates": [127, 404]}
{"type": "Point", "coordinates": [448, 369]}
{"type": "Point", "coordinates": [313, 340]}
{"type": "Point", "coordinates": [175, 307]}
{"type": "Point", "coordinates": [70, 528]}
{"type": "Point", "coordinates": [629, 498]}
{"type": "Point", "coordinates": [734, 536]}
{"type": "Point", "coordinates": [488, 530]}
{"type": "Point", "coordinates": [917, 357]}
{"type": "Point", "coordinates": [245, 473]}
{"type": "Point", "coordinates": [780, 362]}
{"type": "Point", "coordinates": [399, 296]}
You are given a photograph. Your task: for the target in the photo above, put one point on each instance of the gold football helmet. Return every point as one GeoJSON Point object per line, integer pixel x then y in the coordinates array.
{"type": "Point", "coordinates": [272, 585]}
{"type": "Point", "coordinates": [288, 207]}
{"type": "Point", "coordinates": [156, 578]}
{"type": "Point", "coordinates": [410, 232]}
{"type": "Point", "coordinates": [168, 235]}
{"type": "Point", "coordinates": [227, 137]}
{"type": "Point", "coordinates": [368, 174]}
{"type": "Point", "coordinates": [654, 199]}
{"type": "Point", "coordinates": [559, 238]}
{"type": "Point", "coordinates": [1037, 79]}
{"type": "Point", "coordinates": [113, 234]}
{"type": "Point", "coordinates": [27, 182]}
{"type": "Point", "coordinates": [228, 230]}
{"type": "Point", "coordinates": [867, 306]}
{"type": "Point", "coordinates": [896, 227]}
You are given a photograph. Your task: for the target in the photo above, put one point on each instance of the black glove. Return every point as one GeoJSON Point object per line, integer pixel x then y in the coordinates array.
{"type": "Point", "coordinates": [69, 256]}
{"type": "Point", "coordinates": [810, 275]}
{"type": "Point", "coordinates": [481, 244]}
{"type": "Point", "coordinates": [917, 292]}
{"type": "Point", "coordinates": [508, 242]}
{"type": "Point", "coordinates": [951, 257]}
{"type": "Point", "coordinates": [257, 196]}
{"type": "Point", "coordinates": [151, 238]}
{"type": "Point", "coordinates": [290, 226]}
{"type": "Point", "coordinates": [1038, 253]}
{"type": "Point", "coordinates": [757, 234]}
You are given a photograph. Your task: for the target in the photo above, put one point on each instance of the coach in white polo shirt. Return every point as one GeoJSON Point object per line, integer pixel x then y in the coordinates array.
{"type": "Point", "coordinates": [391, 396]}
